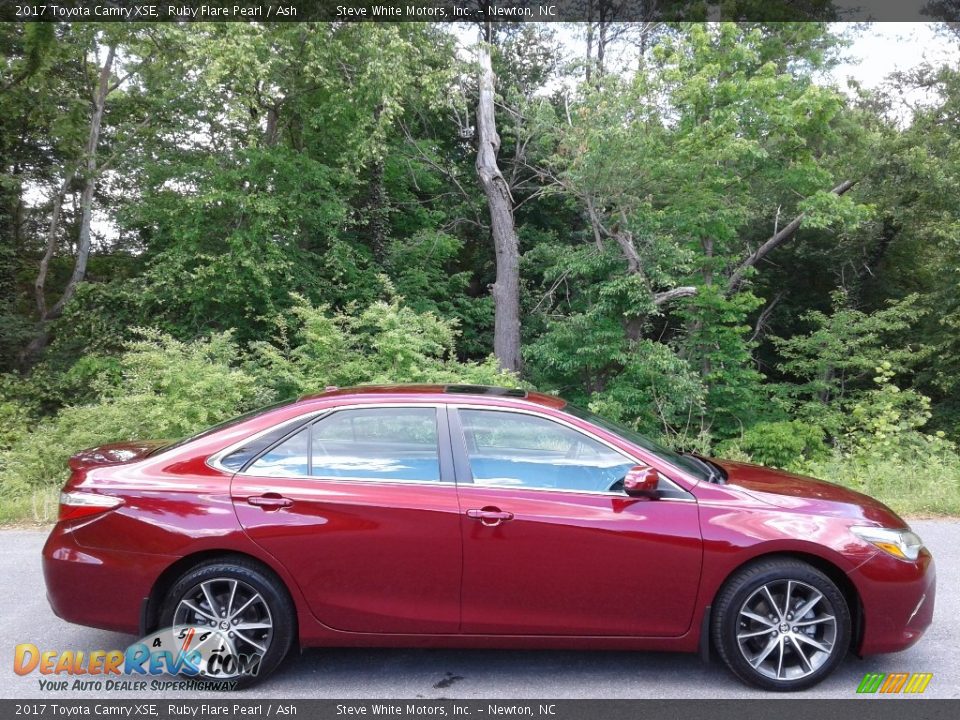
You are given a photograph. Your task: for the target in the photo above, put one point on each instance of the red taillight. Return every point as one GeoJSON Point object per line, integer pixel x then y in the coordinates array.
{"type": "Point", "coordinates": [76, 504]}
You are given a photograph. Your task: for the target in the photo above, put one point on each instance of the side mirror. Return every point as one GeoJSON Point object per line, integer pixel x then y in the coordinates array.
{"type": "Point", "coordinates": [641, 480]}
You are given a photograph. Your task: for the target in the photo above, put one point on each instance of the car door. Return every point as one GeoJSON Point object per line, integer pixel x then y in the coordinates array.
{"type": "Point", "coordinates": [361, 507]}
{"type": "Point", "coordinates": [553, 546]}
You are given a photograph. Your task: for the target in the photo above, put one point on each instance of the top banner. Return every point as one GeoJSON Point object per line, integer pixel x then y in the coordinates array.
{"type": "Point", "coordinates": [478, 11]}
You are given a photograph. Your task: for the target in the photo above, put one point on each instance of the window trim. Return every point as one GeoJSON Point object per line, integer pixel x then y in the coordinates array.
{"type": "Point", "coordinates": [465, 472]}
{"type": "Point", "coordinates": [296, 424]}
{"type": "Point", "coordinates": [444, 453]}
{"type": "Point", "coordinates": [454, 462]}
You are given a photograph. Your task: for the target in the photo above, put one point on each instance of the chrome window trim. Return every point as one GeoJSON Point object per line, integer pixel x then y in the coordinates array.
{"type": "Point", "coordinates": [605, 493]}
{"type": "Point", "coordinates": [213, 461]}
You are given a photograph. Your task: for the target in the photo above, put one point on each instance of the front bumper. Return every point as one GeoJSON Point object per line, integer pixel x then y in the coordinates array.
{"type": "Point", "coordinates": [898, 600]}
{"type": "Point", "coordinates": [96, 587]}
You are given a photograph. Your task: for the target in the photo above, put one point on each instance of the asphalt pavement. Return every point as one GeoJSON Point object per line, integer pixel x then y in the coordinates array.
{"type": "Point", "coordinates": [488, 674]}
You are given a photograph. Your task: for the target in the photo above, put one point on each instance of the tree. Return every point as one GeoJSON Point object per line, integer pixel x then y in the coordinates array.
{"type": "Point", "coordinates": [506, 289]}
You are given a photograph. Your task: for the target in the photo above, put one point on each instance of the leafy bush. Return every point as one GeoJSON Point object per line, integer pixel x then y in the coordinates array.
{"type": "Point", "coordinates": [167, 389]}
{"type": "Point", "coordinates": [781, 444]}
{"type": "Point", "coordinates": [387, 342]}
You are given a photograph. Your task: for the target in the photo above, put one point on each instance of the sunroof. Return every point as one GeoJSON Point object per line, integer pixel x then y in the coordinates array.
{"type": "Point", "coordinates": [485, 390]}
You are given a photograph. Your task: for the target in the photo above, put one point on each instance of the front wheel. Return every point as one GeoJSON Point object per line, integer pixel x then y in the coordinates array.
{"type": "Point", "coordinates": [781, 625]}
{"type": "Point", "coordinates": [248, 614]}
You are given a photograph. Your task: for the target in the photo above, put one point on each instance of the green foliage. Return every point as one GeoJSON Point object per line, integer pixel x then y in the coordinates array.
{"type": "Point", "coordinates": [293, 205]}
{"type": "Point", "coordinates": [387, 342]}
{"type": "Point", "coordinates": [166, 389]}
{"type": "Point", "coordinates": [843, 348]}
{"type": "Point", "coordinates": [656, 391]}
{"type": "Point", "coordinates": [887, 422]}
{"type": "Point", "coordinates": [925, 484]}
{"type": "Point", "coordinates": [782, 444]}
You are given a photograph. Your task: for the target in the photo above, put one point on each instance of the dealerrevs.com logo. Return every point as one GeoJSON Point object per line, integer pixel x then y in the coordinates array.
{"type": "Point", "coordinates": [894, 683]}
{"type": "Point", "coordinates": [203, 657]}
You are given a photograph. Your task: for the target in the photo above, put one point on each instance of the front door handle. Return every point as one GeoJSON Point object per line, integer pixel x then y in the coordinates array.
{"type": "Point", "coordinates": [490, 516]}
{"type": "Point", "coordinates": [269, 501]}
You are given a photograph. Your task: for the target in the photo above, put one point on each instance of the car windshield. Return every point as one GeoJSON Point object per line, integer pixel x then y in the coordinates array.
{"type": "Point", "coordinates": [687, 463]}
{"type": "Point", "coordinates": [221, 426]}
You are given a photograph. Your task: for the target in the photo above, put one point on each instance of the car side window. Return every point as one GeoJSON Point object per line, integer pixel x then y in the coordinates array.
{"type": "Point", "coordinates": [361, 444]}
{"type": "Point", "coordinates": [245, 453]}
{"type": "Point", "coordinates": [378, 444]}
{"type": "Point", "coordinates": [508, 449]}
{"type": "Point", "coordinates": [288, 459]}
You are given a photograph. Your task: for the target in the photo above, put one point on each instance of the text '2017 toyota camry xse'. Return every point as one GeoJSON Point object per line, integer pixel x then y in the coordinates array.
{"type": "Point", "coordinates": [463, 516]}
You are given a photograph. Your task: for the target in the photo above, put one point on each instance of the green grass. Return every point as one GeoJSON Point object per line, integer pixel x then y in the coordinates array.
{"type": "Point", "coordinates": [928, 487]}
{"type": "Point", "coordinates": [37, 508]}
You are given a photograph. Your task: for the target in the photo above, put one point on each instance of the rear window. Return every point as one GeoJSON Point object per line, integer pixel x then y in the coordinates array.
{"type": "Point", "coordinates": [241, 457]}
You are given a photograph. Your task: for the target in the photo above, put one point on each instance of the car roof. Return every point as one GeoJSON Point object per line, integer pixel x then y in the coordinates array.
{"type": "Point", "coordinates": [449, 391]}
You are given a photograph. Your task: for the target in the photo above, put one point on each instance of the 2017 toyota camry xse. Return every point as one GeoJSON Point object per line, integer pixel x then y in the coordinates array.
{"type": "Point", "coordinates": [465, 516]}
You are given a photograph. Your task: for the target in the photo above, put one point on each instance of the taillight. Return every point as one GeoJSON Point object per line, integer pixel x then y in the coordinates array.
{"type": "Point", "coordinates": [76, 504]}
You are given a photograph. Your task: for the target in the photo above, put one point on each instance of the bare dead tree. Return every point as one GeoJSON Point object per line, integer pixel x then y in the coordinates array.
{"type": "Point", "coordinates": [89, 172]}
{"type": "Point", "coordinates": [506, 288]}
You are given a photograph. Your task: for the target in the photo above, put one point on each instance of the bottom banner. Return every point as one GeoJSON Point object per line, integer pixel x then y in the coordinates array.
{"type": "Point", "coordinates": [786, 708]}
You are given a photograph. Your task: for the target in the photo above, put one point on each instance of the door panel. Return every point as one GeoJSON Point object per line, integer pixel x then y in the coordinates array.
{"type": "Point", "coordinates": [381, 554]}
{"type": "Point", "coordinates": [567, 558]}
{"type": "Point", "coordinates": [579, 564]}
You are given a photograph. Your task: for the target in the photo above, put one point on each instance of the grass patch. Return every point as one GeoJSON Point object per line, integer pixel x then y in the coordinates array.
{"type": "Point", "coordinates": [928, 487]}
{"type": "Point", "coordinates": [36, 508]}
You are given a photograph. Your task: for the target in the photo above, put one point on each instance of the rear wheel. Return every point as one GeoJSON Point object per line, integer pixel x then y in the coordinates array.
{"type": "Point", "coordinates": [781, 625]}
{"type": "Point", "coordinates": [249, 611]}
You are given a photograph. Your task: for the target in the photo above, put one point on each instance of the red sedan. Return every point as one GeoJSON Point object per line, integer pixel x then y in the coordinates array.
{"type": "Point", "coordinates": [464, 516]}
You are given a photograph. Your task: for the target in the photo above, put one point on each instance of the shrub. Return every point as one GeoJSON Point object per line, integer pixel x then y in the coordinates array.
{"type": "Point", "coordinates": [167, 389]}
{"type": "Point", "coordinates": [385, 343]}
{"type": "Point", "coordinates": [782, 444]}
{"type": "Point", "coordinates": [164, 388]}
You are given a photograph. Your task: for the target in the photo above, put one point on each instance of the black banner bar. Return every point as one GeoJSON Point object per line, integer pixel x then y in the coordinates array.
{"type": "Point", "coordinates": [469, 11]}
{"type": "Point", "coordinates": [216, 707]}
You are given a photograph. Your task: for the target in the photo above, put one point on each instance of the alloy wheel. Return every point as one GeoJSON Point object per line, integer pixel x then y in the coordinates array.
{"type": "Point", "coordinates": [234, 608]}
{"type": "Point", "coordinates": [786, 630]}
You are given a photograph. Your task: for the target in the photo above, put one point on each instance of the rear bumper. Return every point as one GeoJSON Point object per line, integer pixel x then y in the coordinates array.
{"type": "Point", "coordinates": [898, 600]}
{"type": "Point", "coordinates": [96, 587]}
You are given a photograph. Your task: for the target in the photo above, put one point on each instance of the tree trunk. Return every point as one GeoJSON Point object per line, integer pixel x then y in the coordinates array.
{"type": "Point", "coordinates": [90, 176]}
{"type": "Point", "coordinates": [589, 66]}
{"type": "Point", "coordinates": [376, 204]}
{"type": "Point", "coordinates": [506, 289]}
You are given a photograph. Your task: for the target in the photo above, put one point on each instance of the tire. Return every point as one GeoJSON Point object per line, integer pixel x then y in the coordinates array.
{"type": "Point", "coordinates": [771, 647]}
{"type": "Point", "coordinates": [214, 580]}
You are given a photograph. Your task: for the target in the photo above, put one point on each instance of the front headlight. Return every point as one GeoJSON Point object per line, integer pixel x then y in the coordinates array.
{"type": "Point", "coordinates": [902, 544]}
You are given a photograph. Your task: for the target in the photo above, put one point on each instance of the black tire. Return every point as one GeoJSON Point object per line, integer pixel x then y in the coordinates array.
{"type": "Point", "coordinates": [825, 625]}
{"type": "Point", "coordinates": [274, 595]}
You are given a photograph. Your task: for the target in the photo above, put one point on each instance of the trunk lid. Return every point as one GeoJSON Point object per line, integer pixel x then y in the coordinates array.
{"type": "Point", "coordinates": [114, 453]}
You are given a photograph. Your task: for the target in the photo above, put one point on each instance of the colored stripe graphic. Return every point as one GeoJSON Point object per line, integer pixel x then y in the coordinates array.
{"type": "Point", "coordinates": [892, 683]}
{"type": "Point", "coordinates": [871, 682]}
{"type": "Point", "coordinates": [918, 682]}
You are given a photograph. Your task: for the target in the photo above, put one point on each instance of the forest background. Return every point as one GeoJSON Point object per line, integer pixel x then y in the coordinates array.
{"type": "Point", "coordinates": [689, 228]}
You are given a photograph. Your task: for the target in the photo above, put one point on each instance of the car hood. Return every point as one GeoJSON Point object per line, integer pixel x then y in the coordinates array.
{"type": "Point", "coordinates": [787, 490]}
{"type": "Point", "coordinates": [115, 453]}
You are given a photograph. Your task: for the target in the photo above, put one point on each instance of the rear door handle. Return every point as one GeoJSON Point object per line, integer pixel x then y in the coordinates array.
{"type": "Point", "coordinates": [490, 516]}
{"type": "Point", "coordinates": [270, 501]}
